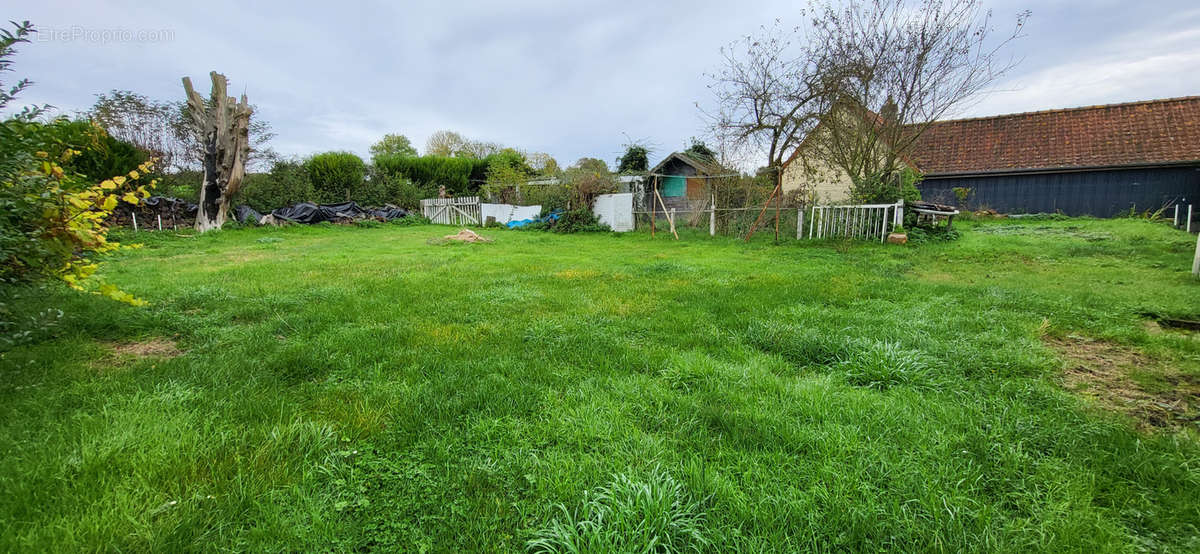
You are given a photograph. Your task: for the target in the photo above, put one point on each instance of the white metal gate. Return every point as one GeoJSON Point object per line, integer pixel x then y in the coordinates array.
{"type": "Point", "coordinates": [452, 211]}
{"type": "Point", "coordinates": [861, 221]}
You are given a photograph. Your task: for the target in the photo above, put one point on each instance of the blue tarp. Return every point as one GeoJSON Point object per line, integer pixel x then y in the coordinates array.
{"type": "Point", "coordinates": [523, 222]}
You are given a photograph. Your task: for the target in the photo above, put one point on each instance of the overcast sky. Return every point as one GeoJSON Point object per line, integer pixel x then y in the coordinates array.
{"type": "Point", "coordinates": [569, 78]}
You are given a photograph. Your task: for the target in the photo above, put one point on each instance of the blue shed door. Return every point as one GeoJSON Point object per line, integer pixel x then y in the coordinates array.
{"type": "Point", "coordinates": [674, 185]}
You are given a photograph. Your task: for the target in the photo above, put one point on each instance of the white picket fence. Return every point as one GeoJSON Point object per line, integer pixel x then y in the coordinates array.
{"type": "Point", "coordinates": [860, 221]}
{"type": "Point", "coordinates": [463, 210]}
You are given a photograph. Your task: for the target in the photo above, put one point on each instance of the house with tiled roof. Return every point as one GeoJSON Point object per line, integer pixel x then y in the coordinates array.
{"type": "Point", "coordinates": [1097, 160]}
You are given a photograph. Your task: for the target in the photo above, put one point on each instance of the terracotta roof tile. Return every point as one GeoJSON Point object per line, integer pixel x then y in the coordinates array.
{"type": "Point", "coordinates": [1149, 132]}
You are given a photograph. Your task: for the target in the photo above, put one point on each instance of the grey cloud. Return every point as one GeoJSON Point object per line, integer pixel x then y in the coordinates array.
{"type": "Point", "coordinates": [569, 78]}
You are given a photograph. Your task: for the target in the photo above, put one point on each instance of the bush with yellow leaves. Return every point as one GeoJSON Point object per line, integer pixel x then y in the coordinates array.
{"type": "Point", "coordinates": [52, 219]}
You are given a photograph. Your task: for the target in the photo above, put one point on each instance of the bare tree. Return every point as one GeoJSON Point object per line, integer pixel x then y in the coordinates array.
{"type": "Point", "coordinates": [450, 143]}
{"type": "Point", "coordinates": [222, 125]}
{"type": "Point", "coordinates": [147, 124]}
{"type": "Point", "coordinates": [542, 163]}
{"type": "Point", "coordinates": [769, 94]}
{"type": "Point", "coordinates": [165, 130]}
{"type": "Point", "coordinates": [898, 66]}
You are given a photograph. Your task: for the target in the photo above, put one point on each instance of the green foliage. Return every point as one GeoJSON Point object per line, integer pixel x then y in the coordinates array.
{"type": "Point", "coordinates": [594, 166]}
{"type": "Point", "coordinates": [9, 39]}
{"type": "Point", "coordinates": [922, 235]}
{"type": "Point", "coordinates": [542, 164]}
{"type": "Point", "coordinates": [52, 218]}
{"type": "Point", "coordinates": [628, 515]}
{"type": "Point", "coordinates": [428, 173]}
{"type": "Point", "coordinates": [392, 145]}
{"type": "Point", "coordinates": [101, 156]}
{"type": "Point", "coordinates": [578, 221]}
{"type": "Point", "coordinates": [700, 151]}
{"type": "Point", "coordinates": [185, 185]}
{"type": "Point", "coordinates": [287, 183]}
{"type": "Point", "coordinates": [552, 198]}
{"type": "Point", "coordinates": [961, 194]}
{"type": "Point", "coordinates": [52, 213]}
{"type": "Point", "coordinates": [412, 219]}
{"type": "Point", "coordinates": [886, 189]}
{"type": "Point", "coordinates": [636, 159]}
{"type": "Point", "coordinates": [386, 188]}
{"type": "Point", "coordinates": [510, 159]}
{"type": "Point", "coordinates": [503, 183]}
{"type": "Point", "coordinates": [290, 182]}
{"type": "Point", "coordinates": [335, 176]}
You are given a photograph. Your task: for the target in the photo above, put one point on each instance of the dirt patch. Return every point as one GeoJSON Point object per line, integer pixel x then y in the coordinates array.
{"type": "Point", "coordinates": [157, 347]}
{"type": "Point", "coordinates": [467, 235]}
{"type": "Point", "coordinates": [1122, 379]}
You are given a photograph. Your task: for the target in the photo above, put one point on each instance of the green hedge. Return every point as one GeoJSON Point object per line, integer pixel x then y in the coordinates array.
{"type": "Point", "coordinates": [335, 176]}
{"type": "Point", "coordinates": [428, 173]}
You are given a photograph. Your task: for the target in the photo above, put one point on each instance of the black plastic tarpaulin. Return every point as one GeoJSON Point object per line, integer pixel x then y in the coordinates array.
{"type": "Point", "coordinates": [388, 213]}
{"type": "Point", "coordinates": [246, 214]}
{"type": "Point", "coordinates": [178, 211]}
{"type": "Point", "coordinates": [307, 212]}
{"type": "Point", "coordinates": [167, 205]}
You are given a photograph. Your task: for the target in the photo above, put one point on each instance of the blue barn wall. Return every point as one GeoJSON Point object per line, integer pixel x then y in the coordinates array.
{"type": "Point", "coordinates": [1101, 193]}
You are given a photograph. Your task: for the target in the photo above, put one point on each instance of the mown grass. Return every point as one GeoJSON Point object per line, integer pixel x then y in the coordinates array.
{"type": "Point", "coordinates": [362, 389]}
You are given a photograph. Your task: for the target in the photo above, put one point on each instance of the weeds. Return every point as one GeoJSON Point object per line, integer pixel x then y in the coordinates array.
{"type": "Point", "coordinates": [627, 515]}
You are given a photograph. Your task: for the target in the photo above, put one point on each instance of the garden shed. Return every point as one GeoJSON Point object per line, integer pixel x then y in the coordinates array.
{"type": "Point", "coordinates": [680, 179]}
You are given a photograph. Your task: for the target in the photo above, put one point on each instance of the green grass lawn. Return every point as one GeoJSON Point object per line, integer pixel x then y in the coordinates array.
{"type": "Point", "coordinates": [347, 388]}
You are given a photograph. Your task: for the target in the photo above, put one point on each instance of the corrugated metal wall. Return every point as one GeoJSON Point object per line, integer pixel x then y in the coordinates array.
{"type": "Point", "coordinates": [1098, 193]}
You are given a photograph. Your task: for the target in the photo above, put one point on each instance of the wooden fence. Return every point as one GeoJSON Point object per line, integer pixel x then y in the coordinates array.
{"type": "Point", "coordinates": [464, 210]}
{"type": "Point", "coordinates": [862, 221]}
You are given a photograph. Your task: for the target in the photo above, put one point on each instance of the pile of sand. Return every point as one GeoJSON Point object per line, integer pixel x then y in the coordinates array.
{"type": "Point", "coordinates": [467, 235]}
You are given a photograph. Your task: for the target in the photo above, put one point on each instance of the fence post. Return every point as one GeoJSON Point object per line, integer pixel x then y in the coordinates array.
{"type": "Point", "coordinates": [799, 223]}
{"type": "Point", "coordinates": [1176, 216]}
{"type": "Point", "coordinates": [712, 216]}
{"type": "Point", "coordinates": [135, 221]}
{"type": "Point", "coordinates": [1189, 221]}
{"type": "Point", "coordinates": [1196, 259]}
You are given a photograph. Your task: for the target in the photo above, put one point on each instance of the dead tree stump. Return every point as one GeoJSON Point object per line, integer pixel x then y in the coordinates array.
{"type": "Point", "coordinates": [222, 126]}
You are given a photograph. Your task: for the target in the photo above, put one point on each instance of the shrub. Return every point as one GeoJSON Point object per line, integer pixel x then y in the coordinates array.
{"type": "Point", "coordinates": [889, 188]}
{"type": "Point", "coordinates": [636, 159]}
{"type": "Point", "coordinates": [578, 221]}
{"type": "Point", "coordinates": [386, 188]}
{"type": "Point", "coordinates": [185, 185]}
{"type": "Point", "coordinates": [552, 198]}
{"type": "Point", "coordinates": [52, 219]}
{"type": "Point", "coordinates": [335, 176]}
{"type": "Point", "coordinates": [427, 173]}
{"type": "Point", "coordinates": [101, 156]}
{"type": "Point", "coordinates": [287, 183]}
{"type": "Point", "coordinates": [373, 191]}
